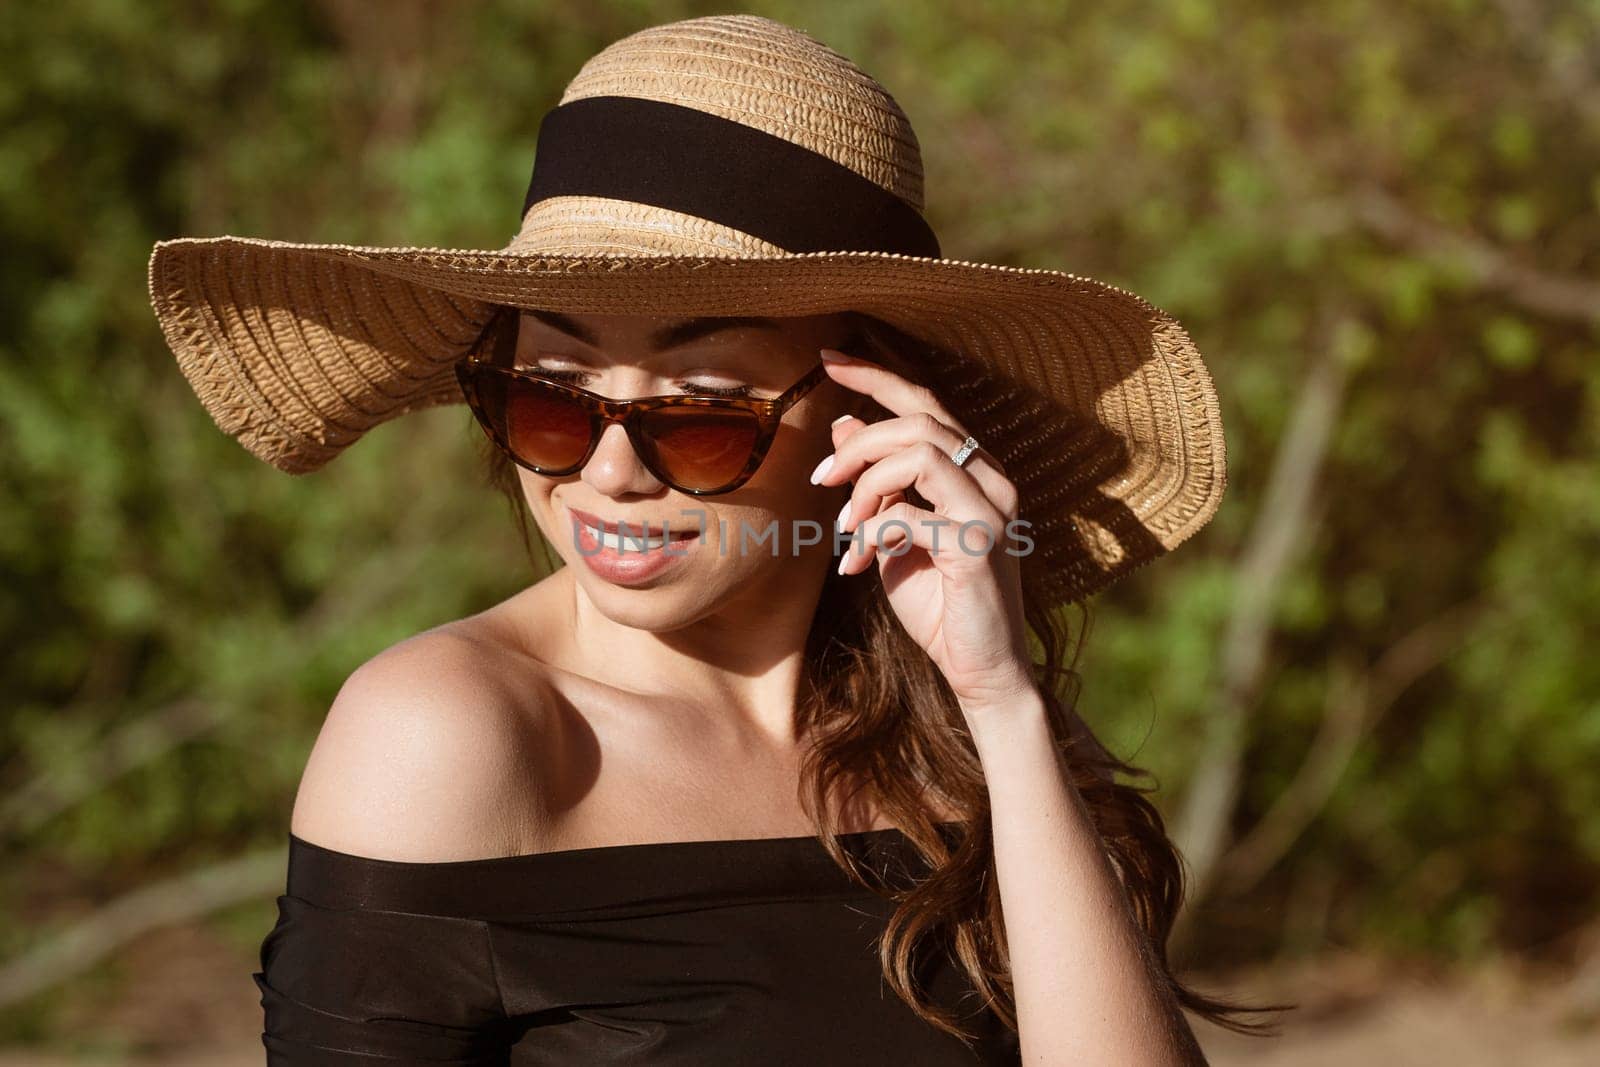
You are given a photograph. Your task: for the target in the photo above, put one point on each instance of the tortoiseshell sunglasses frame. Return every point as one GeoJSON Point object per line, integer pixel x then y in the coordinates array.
{"type": "Point", "coordinates": [603, 411]}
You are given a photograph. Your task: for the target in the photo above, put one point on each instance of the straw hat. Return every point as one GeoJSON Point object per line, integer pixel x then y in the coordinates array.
{"type": "Point", "coordinates": [727, 165]}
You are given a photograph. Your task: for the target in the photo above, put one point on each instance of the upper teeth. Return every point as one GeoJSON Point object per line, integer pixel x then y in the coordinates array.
{"type": "Point", "coordinates": [632, 542]}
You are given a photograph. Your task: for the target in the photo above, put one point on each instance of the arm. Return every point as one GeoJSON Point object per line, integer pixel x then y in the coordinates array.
{"type": "Point", "coordinates": [1088, 988]}
{"type": "Point", "coordinates": [1088, 985]}
{"type": "Point", "coordinates": [421, 758]}
{"type": "Point", "coordinates": [427, 756]}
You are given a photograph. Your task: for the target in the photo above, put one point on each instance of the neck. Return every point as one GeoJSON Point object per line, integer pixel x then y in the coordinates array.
{"type": "Point", "coordinates": [743, 660]}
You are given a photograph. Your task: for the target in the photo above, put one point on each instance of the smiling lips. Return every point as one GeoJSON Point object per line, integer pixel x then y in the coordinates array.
{"type": "Point", "coordinates": [624, 536]}
{"type": "Point", "coordinates": [628, 555]}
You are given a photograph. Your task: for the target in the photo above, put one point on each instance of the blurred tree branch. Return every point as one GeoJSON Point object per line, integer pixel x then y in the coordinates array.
{"type": "Point", "coordinates": [1557, 295]}
{"type": "Point", "coordinates": [1302, 160]}
{"type": "Point", "coordinates": [192, 896]}
{"type": "Point", "coordinates": [1201, 825]}
{"type": "Point", "coordinates": [1356, 701]}
{"type": "Point", "coordinates": [355, 592]}
{"type": "Point", "coordinates": [64, 783]}
{"type": "Point", "coordinates": [183, 898]}
{"type": "Point", "coordinates": [1568, 77]}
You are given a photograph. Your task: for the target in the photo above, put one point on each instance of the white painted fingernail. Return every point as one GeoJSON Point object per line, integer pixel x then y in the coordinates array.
{"type": "Point", "coordinates": [844, 513]}
{"type": "Point", "coordinates": [840, 419]}
{"type": "Point", "coordinates": [822, 469]}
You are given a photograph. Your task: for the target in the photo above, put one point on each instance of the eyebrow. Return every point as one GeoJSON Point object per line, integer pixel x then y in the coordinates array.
{"type": "Point", "coordinates": [680, 333]}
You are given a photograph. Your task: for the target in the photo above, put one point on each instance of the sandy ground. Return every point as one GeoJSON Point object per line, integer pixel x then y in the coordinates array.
{"type": "Point", "coordinates": [1360, 1011]}
{"type": "Point", "coordinates": [202, 1011]}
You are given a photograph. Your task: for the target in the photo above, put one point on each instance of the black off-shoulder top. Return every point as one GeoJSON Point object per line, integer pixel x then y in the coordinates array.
{"type": "Point", "coordinates": [754, 951]}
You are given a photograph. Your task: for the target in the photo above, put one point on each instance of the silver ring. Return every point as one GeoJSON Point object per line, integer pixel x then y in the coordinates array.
{"type": "Point", "coordinates": [968, 447]}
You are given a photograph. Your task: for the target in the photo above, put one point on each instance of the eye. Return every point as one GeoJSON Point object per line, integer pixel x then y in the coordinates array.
{"type": "Point", "coordinates": [579, 378]}
{"type": "Point", "coordinates": [571, 377]}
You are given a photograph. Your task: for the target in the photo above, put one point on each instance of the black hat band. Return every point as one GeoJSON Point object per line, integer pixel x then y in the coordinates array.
{"type": "Point", "coordinates": [690, 161]}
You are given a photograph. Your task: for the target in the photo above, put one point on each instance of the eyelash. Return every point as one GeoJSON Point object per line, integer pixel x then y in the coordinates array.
{"type": "Point", "coordinates": [578, 377]}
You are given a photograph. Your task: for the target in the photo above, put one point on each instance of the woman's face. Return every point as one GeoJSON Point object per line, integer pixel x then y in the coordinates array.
{"type": "Point", "coordinates": [737, 554]}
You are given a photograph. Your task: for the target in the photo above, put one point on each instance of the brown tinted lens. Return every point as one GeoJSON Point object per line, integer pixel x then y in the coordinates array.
{"type": "Point", "coordinates": [539, 423]}
{"type": "Point", "coordinates": [700, 448]}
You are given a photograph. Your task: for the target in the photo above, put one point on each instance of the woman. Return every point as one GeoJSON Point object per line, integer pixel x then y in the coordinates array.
{"type": "Point", "coordinates": [769, 770]}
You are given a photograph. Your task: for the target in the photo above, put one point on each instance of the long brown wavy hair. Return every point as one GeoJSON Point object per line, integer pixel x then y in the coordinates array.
{"type": "Point", "coordinates": [881, 723]}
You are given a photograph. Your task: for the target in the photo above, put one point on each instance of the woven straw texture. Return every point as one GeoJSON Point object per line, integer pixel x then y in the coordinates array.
{"type": "Point", "coordinates": [1096, 402]}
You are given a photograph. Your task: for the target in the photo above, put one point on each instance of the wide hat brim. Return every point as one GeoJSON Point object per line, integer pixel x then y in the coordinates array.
{"type": "Point", "coordinates": [1095, 401]}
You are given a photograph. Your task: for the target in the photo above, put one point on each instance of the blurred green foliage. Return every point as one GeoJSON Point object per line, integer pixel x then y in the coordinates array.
{"type": "Point", "coordinates": [1409, 190]}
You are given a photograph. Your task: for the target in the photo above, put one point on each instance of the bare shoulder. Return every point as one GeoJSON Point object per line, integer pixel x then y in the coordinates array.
{"type": "Point", "coordinates": [430, 752]}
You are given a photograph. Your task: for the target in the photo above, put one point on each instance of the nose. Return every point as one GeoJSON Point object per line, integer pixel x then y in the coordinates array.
{"type": "Point", "coordinates": [614, 469]}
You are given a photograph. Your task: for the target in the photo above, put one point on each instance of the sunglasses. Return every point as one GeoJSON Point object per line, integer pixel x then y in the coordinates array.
{"type": "Point", "coordinates": [699, 445]}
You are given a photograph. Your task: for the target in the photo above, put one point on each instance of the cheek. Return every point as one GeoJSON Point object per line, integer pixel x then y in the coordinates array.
{"type": "Point", "coordinates": [781, 490]}
{"type": "Point", "coordinates": [536, 491]}
{"type": "Point", "coordinates": [795, 453]}
{"type": "Point", "coordinates": [536, 488]}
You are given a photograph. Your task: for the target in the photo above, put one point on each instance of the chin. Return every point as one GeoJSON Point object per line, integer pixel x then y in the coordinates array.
{"type": "Point", "coordinates": [668, 602]}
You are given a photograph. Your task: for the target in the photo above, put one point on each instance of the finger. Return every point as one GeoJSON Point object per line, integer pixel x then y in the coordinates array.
{"type": "Point", "coordinates": [893, 391]}
{"type": "Point", "coordinates": [845, 427]}
{"type": "Point", "coordinates": [908, 398]}
{"type": "Point", "coordinates": [949, 543]}
{"type": "Point", "coordinates": [892, 532]}
{"type": "Point", "coordinates": [951, 490]}
{"type": "Point", "coordinates": [850, 513]}
{"type": "Point", "coordinates": [871, 442]}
